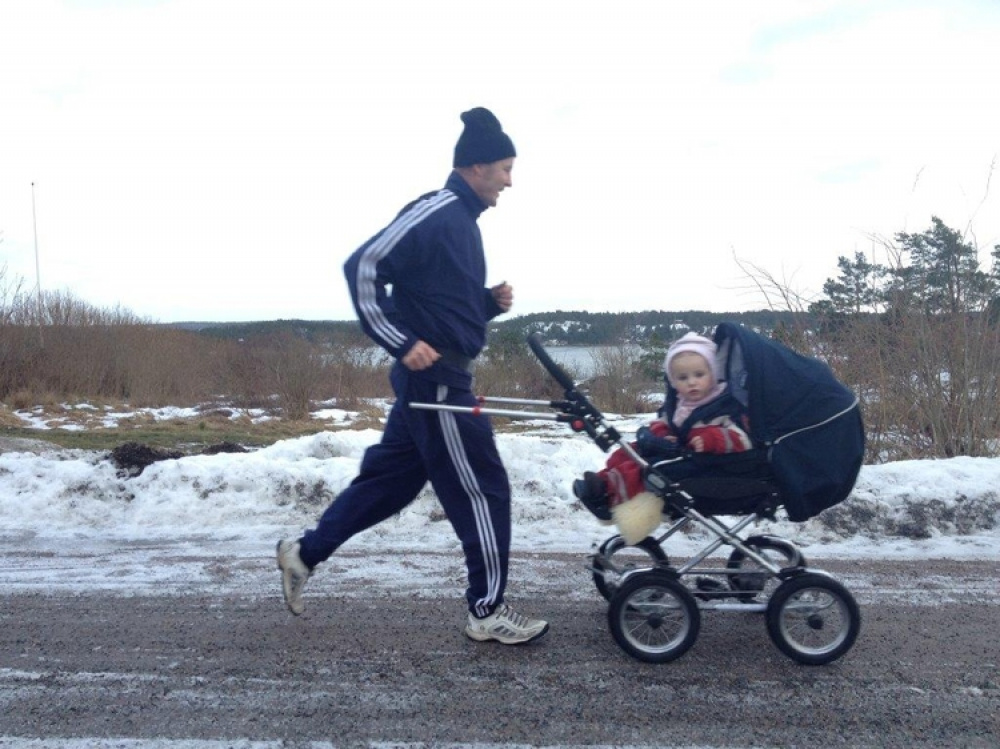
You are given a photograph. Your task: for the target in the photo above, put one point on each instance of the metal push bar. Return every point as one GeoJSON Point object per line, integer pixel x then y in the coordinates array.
{"type": "Point", "coordinates": [576, 410]}
{"type": "Point", "coordinates": [514, 414]}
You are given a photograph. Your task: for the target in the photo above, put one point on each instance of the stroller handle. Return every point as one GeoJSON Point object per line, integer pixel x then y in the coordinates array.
{"type": "Point", "coordinates": [558, 373]}
{"type": "Point", "coordinates": [587, 417]}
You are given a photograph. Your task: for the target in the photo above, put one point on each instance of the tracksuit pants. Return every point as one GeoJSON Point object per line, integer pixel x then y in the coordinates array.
{"type": "Point", "coordinates": [457, 453]}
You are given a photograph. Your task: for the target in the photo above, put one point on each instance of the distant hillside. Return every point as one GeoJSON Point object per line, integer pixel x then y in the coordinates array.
{"type": "Point", "coordinates": [565, 327]}
{"type": "Point", "coordinates": [603, 328]}
{"type": "Point", "coordinates": [315, 331]}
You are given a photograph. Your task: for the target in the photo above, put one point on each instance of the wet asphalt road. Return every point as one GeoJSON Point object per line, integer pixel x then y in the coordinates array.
{"type": "Point", "coordinates": [376, 664]}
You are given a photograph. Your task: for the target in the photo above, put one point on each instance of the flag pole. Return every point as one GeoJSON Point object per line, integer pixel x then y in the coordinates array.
{"type": "Point", "coordinates": [38, 273]}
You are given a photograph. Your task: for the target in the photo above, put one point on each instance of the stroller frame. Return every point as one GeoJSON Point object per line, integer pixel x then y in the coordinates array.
{"type": "Point", "coordinates": [654, 606]}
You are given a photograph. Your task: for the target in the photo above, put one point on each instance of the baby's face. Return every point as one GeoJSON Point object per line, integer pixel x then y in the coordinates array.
{"type": "Point", "coordinates": [691, 375]}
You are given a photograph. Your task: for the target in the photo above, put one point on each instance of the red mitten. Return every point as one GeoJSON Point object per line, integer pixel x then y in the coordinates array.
{"type": "Point", "coordinates": [719, 440]}
{"type": "Point", "coordinates": [660, 428]}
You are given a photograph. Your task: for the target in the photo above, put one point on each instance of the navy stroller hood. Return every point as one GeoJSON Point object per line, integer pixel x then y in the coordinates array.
{"type": "Point", "coordinates": [807, 421]}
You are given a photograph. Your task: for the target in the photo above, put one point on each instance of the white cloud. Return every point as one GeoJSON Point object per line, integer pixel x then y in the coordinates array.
{"type": "Point", "coordinates": [219, 160]}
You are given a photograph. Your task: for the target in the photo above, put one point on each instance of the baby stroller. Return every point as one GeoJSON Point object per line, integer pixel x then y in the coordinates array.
{"type": "Point", "coordinates": [808, 449]}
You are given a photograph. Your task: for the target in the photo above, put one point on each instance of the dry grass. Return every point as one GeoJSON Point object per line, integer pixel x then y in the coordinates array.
{"type": "Point", "coordinates": [188, 435]}
{"type": "Point", "coordinates": [112, 424]}
{"type": "Point", "coordinates": [8, 419]}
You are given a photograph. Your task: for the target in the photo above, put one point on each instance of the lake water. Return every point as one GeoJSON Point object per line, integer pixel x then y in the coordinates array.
{"type": "Point", "coordinates": [582, 359]}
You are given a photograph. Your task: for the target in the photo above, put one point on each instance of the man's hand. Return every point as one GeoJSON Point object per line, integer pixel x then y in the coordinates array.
{"type": "Point", "coordinates": [420, 356]}
{"type": "Point", "coordinates": [503, 295]}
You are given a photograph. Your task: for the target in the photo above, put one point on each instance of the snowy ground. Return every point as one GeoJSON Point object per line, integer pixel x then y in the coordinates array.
{"type": "Point", "coordinates": [58, 503]}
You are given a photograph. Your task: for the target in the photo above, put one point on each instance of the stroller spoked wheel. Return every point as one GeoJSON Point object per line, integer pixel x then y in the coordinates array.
{"type": "Point", "coordinates": [749, 579]}
{"type": "Point", "coordinates": [653, 617]}
{"type": "Point", "coordinates": [813, 619]}
{"type": "Point", "coordinates": [615, 558]}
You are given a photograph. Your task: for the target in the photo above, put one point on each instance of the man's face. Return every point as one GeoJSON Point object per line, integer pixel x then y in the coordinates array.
{"type": "Point", "coordinates": [491, 179]}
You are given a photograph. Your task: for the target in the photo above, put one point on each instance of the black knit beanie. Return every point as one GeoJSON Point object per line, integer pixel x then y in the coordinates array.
{"type": "Point", "coordinates": [482, 141]}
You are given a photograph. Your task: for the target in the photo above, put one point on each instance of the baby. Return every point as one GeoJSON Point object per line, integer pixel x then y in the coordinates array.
{"type": "Point", "coordinates": [701, 422]}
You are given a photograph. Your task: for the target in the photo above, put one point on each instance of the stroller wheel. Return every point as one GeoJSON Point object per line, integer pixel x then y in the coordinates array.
{"type": "Point", "coordinates": [653, 617]}
{"type": "Point", "coordinates": [753, 582]}
{"type": "Point", "coordinates": [813, 619]}
{"type": "Point", "coordinates": [615, 558]}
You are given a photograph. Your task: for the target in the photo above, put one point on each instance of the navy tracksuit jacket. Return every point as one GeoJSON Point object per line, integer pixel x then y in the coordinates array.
{"type": "Point", "coordinates": [432, 257]}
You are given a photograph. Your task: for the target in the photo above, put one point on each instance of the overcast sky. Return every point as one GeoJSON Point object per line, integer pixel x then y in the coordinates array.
{"type": "Point", "coordinates": [219, 159]}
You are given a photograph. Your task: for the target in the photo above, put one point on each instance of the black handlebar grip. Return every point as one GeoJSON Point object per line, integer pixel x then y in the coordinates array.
{"type": "Point", "coordinates": [558, 373]}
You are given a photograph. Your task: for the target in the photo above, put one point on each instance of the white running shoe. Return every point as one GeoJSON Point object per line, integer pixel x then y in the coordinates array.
{"type": "Point", "coordinates": [507, 626]}
{"type": "Point", "coordinates": [294, 574]}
